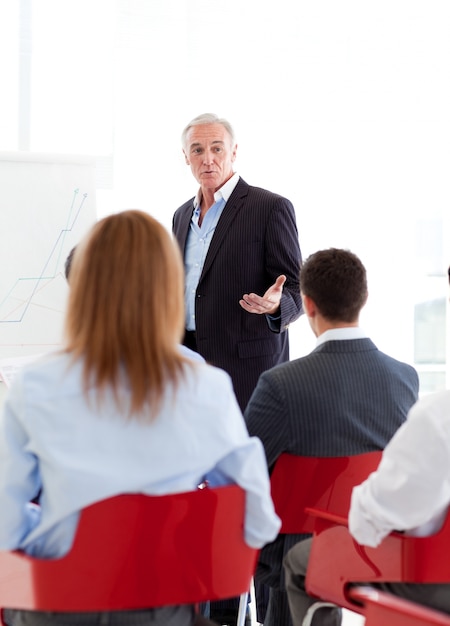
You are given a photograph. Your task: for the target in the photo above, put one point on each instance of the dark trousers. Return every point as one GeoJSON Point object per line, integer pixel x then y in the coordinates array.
{"type": "Point", "coordinates": [164, 616]}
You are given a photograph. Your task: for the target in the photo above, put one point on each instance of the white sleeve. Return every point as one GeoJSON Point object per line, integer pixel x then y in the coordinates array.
{"type": "Point", "coordinates": [412, 483]}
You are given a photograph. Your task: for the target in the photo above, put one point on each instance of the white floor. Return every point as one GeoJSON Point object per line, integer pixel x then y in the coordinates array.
{"type": "Point", "coordinates": [352, 619]}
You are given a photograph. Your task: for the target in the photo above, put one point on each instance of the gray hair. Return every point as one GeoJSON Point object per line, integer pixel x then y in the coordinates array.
{"type": "Point", "coordinates": [207, 118]}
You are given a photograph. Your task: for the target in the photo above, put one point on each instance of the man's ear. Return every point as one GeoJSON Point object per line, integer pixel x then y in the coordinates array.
{"type": "Point", "coordinates": [309, 306]}
{"type": "Point", "coordinates": [186, 158]}
{"type": "Point", "coordinates": [366, 298]}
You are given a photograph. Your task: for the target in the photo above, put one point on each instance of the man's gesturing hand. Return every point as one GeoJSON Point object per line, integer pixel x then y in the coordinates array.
{"type": "Point", "coordinates": [268, 303]}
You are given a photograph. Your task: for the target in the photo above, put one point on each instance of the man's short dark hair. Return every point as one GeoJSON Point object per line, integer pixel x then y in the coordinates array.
{"type": "Point", "coordinates": [336, 281]}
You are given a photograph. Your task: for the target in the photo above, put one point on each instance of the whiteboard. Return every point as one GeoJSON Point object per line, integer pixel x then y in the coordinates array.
{"type": "Point", "coordinates": [47, 203]}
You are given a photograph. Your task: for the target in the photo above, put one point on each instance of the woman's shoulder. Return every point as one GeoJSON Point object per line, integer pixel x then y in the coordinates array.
{"type": "Point", "coordinates": [47, 372]}
{"type": "Point", "coordinates": [208, 382]}
{"type": "Point", "coordinates": [206, 372]}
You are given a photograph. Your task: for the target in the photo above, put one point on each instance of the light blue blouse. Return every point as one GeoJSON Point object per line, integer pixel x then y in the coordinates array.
{"type": "Point", "coordinates": [53, 437]}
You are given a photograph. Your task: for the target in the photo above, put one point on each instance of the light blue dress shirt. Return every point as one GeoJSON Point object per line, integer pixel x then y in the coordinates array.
{"type": "Point", "coordinates": [198, 241]}
{"type": "Point", "coordinates": [79, 452]}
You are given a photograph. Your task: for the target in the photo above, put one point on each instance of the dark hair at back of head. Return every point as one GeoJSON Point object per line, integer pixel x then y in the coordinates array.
{"type": "Point", "coordinates": [125, 313]}
{"type": "Point", "coordinates": [336, 281]}
{"type": "Point", "coordinates": [68, 263]}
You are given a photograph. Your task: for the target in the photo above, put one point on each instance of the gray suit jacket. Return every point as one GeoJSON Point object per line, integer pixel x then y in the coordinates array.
{"type": "Point", "coordinates": [255, 241]}
{"type": "Point", "coordinates": [344, 398]}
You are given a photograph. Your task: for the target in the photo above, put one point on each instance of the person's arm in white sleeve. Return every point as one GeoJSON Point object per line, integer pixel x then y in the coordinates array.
{"type": "Point", "coordinates": [412, 483]}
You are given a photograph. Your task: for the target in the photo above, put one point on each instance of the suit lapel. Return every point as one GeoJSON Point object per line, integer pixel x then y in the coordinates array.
{"type": "Point", "coordinates": [231, 209]}
{"type": "Point", "coordinates": [184, 224]}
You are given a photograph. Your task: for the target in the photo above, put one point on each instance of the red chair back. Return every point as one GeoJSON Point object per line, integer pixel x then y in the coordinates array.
{"type": "Point", "coordinates": [298, 482]}
{"type": "Point", "coordinates": [137, 551]}
{"type": "Point", "coordinates": [382, 609]}
{"type": "Point", "coordinates": [337, 560]}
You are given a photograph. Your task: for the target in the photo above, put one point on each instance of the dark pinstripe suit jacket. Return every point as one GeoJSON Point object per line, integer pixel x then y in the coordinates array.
{"type": "Point", "coordinates": [344, 398]}
{"type": "Point", "coordinates": [255, 241]}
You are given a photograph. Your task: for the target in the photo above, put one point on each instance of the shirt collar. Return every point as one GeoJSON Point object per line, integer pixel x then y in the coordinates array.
{"type": "Point", "coordinates": [340, 334]}
{"type": "Point", "coordinates": [224, 192]}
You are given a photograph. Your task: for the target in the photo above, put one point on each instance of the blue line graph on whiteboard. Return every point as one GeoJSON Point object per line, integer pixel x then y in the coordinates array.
{"type": "Point", "coordinates": [32, 308]}
{"type": "Point", "coordinates": [33, 284]}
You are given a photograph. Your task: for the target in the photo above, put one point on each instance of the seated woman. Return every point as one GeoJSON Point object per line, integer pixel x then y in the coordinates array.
{"type": "Point", "coordinates": [120, 409]}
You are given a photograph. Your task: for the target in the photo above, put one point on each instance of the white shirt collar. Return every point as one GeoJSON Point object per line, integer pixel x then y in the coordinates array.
{"type": "Point", "coordinates": [340, 334]}
{"type": "Point", "coordinates": [224, 192]}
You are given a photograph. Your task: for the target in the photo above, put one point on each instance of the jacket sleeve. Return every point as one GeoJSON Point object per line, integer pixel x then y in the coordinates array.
{"type": "Point", "coordinates": [283, 256]}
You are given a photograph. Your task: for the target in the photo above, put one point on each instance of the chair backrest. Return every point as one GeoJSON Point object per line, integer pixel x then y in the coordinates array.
{"type": "Point", "coordinates": [399, 558]}
{"type": "Point", "coordinates": [382, 609]}
{"type": "Point", "coordinates": [137, 551]}
{"type": "Point", "coordinates": [298, 482]}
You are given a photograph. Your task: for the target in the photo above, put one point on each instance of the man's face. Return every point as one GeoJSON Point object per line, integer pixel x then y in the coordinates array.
{"type": "Point", "coordinates": [210, 154]}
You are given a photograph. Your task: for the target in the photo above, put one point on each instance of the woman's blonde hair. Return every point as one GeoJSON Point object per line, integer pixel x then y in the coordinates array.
{"type": "Point", "coordinates": [126, 310]}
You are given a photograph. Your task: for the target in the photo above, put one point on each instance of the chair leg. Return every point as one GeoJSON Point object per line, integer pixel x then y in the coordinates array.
{"type": "Point", "coordinates": [243, 599]}
{"type": "Point", "coordinates": [313, 608]}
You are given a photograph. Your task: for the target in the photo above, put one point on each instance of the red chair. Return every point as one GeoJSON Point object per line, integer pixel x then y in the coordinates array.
{"type": "Point", "coordinates": [385, 609]}
{"type": "Point", "coordinates": [337, 561]}
{"type": "Point", "coordinates": [299, 482]}
{"type": "Point", "coordinates": [136, 551]}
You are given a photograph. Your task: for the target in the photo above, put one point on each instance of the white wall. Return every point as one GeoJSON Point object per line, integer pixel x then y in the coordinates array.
{"type": "Point", "coordinates": [341, 106]}
{"type": "Point", "coordinates": [47, 203]}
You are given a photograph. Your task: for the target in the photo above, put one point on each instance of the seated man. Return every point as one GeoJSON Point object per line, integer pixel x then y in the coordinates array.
{"type": "Point", "coordinates": [344, 398]}
{"type": "Point", "coordinates": [418, 456]}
